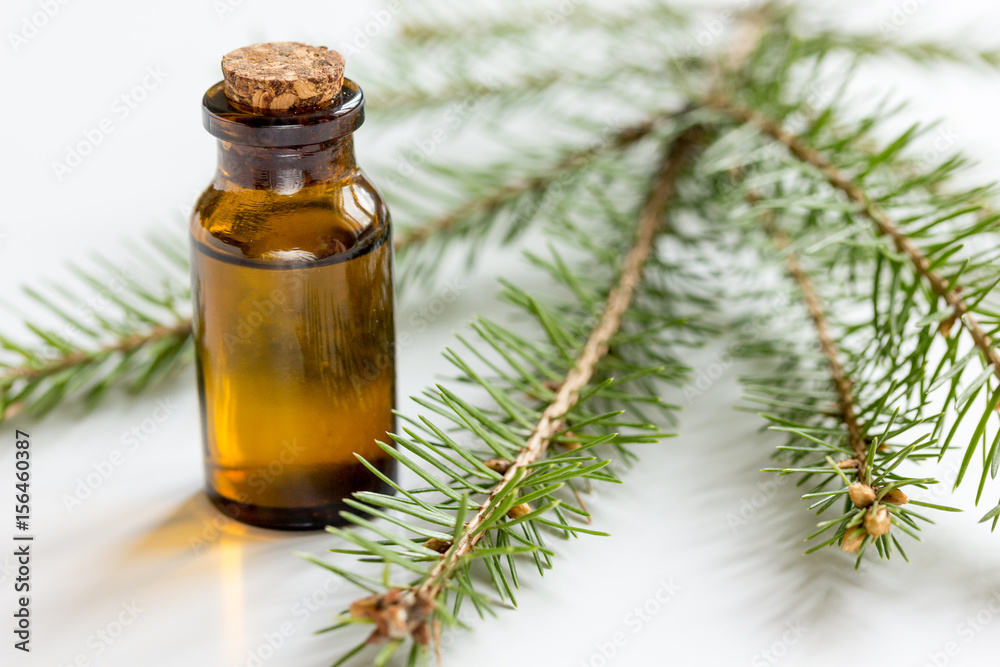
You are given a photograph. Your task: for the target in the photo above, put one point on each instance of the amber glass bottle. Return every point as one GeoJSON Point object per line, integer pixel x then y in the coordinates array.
{"type": "Point", "coordinates": [293, 313]}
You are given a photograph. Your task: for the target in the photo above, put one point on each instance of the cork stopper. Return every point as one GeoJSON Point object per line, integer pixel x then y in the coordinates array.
{"type": "Point", "coordinates": [283, 75]}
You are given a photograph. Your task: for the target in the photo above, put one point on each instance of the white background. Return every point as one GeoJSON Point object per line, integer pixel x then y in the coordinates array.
{"type": "Point", "coordinates": [738, 591]}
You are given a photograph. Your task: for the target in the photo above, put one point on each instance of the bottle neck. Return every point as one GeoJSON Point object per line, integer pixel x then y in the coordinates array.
{"type": "Point", "coordinates": [286, 170]}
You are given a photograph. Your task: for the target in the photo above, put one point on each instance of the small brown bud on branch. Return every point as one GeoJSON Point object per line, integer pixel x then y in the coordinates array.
{"type": "Point", "coordinates": [861, 495]}
{"type": "Point", "coordinates": [517, 511]}
{"type": "Point", "coordinates": [440, 546]}
{"type": "Point", "coordinates": [570, 444]}
{"type": "Point", "coordinates": [896, 497]}
{"type": "Point", "coordinates": [497, 465]}
{"type": "Point", "coordinates": [852, 539]}
{"type": "Point", "coordinates": [946, 325]}
{"type": "Point", "coordinates": [877, 522]}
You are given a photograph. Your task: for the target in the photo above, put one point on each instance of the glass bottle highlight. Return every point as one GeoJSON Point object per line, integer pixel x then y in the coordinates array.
{"type": "Point", "coordinates": [293, 293]}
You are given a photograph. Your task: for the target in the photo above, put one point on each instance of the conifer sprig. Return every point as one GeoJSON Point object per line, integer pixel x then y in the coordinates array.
{"type": "Point", "coordinates": [869, 207]}
{"type": "Point", "coordinates": [523, 473]}
{"type": "Point", "coordinates": [125, 327]}
{"type": "Point", "coordinates": [873, 497]}
{"type": "Point", "coordinates": [949, 243]}
{"type": "Point", "coordinates": [912, 271]}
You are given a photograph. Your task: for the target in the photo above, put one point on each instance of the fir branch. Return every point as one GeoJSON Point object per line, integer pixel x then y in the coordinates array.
{"type": "Point", "coordinates": [862, 45]}
{"type": "Point", "coordinates": [138, 345]}
{"type": "Point", "coordinates": [396, 102]}
{"type": "Point", "coordinates": [528, 473]}
{"type": "Point", "coordinates": [517, 54]}
{"type": "Point", "coordinates": [126, 345]}
{"type": "Point", "coordinates": [519, 19]}
{"type": "Point", "coordinates": [174, 335]}
{"type": "Point", "coordinates": [867, 517]}
{"type": "Point", "coordinates": [552, 419]}
{"type": "Point", "coordinates": [874, 502]}
{"type": "Point", "coordinates": [869, 207]}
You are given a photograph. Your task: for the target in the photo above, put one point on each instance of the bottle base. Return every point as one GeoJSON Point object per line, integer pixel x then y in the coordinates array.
{"type": "Point", "coordinates": [286, 518]}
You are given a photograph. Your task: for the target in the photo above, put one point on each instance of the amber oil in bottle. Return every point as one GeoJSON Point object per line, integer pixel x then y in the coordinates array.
{"type": "Point", "coordinates": [293, 294]}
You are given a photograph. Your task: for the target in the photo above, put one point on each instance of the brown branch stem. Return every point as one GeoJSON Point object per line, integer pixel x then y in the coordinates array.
{"type": "Point", "coordinates": [181, 329]}
{"type": "Point", "coordinates": [842, 382]}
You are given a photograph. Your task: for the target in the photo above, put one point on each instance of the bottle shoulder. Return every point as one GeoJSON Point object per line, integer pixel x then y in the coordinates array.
{"type": "Point", "coordinates": [313, 222]}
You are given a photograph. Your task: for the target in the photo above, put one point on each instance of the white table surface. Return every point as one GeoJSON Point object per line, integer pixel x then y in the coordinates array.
{"type": "Point", "coordinates": [144, 572]}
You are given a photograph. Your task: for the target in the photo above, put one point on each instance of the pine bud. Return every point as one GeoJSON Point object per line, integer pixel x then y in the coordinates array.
{"type": "Point", "coordinates": [877, 523]}
{"type": "Point", "coordinates": [861, 495]}
{"type": "Point", "coordinates": [945, 327]}
{"type": "Point", "coordinates": [517, 511]}
{"type": "Point", "coordinates": [896, 497]}
{"type": "Point", "coordinates": [571, 444]}
{"type": "Point", "coordinates": [852, 539]}
{"type": "Point", "coordinates": [497, 465]}
{"type": "Point", "coordinates": [437, 545]}
{"type": "Point", "coordinates": [847, 464]}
